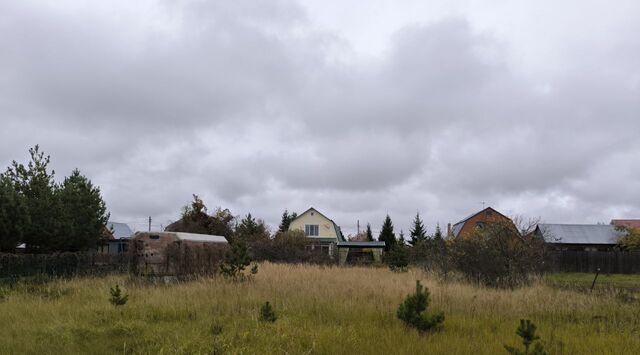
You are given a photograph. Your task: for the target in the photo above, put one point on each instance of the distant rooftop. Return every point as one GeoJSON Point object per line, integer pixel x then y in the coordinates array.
{"type": "Point", "coordinates": [635, 223]}
{"type": "Point", "coordinates": [580, 233]}
{"type": "Point", "coordinates": [119, 230]}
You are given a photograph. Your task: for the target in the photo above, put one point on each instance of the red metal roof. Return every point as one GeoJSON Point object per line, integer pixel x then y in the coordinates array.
{"type": "Point", "coordinates": [635, 223]}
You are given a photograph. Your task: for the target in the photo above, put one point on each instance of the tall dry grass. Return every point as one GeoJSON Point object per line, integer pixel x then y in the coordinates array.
{"type": "Point", "coordinates": [321, 310]}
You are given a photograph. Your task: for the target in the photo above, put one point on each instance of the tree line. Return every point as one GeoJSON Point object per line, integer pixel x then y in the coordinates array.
{"type": "Point", "coordinates": [45, 215]}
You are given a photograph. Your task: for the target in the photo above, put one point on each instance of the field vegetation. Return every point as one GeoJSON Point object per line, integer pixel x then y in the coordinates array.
{"type": "Point", "coordinates": [320, 310]}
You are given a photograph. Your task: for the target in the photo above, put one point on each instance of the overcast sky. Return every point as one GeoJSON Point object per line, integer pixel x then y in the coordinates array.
{"type": "Point", "coordinates": [532, 107]}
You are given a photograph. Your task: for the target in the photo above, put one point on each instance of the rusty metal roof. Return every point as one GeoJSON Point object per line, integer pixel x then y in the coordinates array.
{"type": "Point", "coordinates": [635, 223]}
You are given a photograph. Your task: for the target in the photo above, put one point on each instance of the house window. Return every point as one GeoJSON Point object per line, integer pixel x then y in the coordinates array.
{"type": "Point", "coordinates": [311, 230]}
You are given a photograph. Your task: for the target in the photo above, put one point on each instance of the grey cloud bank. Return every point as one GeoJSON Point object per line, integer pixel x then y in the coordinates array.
{"type": "Point", "coordinates": [256, 108]}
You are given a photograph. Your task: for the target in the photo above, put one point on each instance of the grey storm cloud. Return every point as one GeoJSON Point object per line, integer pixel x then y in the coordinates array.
{"type": "Point", "coordinates": [255, 107]}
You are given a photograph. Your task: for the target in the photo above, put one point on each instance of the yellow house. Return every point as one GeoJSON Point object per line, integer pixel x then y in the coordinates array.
{"type": "Point", "coordinates": [326, 234]}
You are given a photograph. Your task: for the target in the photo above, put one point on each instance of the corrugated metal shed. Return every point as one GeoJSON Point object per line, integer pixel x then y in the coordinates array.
{"type": "Point", "coordinates": [579, 233]}
{"type": "Point", "coordinates": [120, 230]}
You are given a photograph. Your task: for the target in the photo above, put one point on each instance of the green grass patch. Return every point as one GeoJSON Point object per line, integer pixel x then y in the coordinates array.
{"type": "Point", "coordinates": [584, 280]}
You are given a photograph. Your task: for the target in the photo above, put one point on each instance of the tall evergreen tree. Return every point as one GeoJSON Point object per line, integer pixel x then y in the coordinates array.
{"type": "Point", "coordinates": [386, 234]}
{"type": "Point", "coordinates": [418, 232]}
{"type": "Point", "coordinates": [437, 236]}
{"type": "Point", "coordinates": [14, 216]}
{"type": "Point", "coordinates": [35, 183]}
{"type": "Point", "coordinates": [369, 233]}
{"type": "Point", "coordinates": [401, 241]}
{"type": "Point", "coordinates": [84, 213]}
{"type": "Point", "coordinates": [286, 221]}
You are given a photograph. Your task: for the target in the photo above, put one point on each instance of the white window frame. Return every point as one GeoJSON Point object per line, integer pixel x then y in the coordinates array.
{"type": "Point", "coordinates": [310, 228]}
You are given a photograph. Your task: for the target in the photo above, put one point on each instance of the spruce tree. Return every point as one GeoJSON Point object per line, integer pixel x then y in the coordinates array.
{"type": "Point", "coordinates": [438, 234]}
{"type": "Point", "coordinates": [14, 216]}
{"type": "Point", "coordinates": [411, 311]}
{"type": "Point", "coordinates": [267, 314]}
{"type": "Point", "coordinates": [386, 234]}
{"type": "Point", "coordinates": [36, 184]}
{"type": "Point", "coordinates": [369, 233]}
{"type": "Point", "coordinates": [401, 241]}
{"type": "Point", "coordinates": [250, 230]}
{"type": "Point", "coordinates": [84, 213]}
{"type": "Point", "coordinates": [418, 232]}
{"type": "Point", "coordinates": [236, 259]}
{"type": "Point", "coordinates": [286, 221]}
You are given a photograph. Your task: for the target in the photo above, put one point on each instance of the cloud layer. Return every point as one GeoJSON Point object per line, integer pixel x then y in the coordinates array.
{"type": "Point", "coordinates": [256, 107]}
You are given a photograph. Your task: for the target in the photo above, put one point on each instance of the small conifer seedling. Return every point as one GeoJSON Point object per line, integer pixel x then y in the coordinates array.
{"type": "Point", "coordinates": [117, 298]}
{"type": "Point", "coordinates": [527, 331]}
{"type": "Point", "coordinates": [411, 311]}
{"type": "Point", "coordinates": [267, 314]}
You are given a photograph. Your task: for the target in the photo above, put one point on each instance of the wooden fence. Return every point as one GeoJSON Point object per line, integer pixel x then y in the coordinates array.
{"type": "Point", "coordinates": [61, 264]}
{"type": "Point", "coordinates": [609, 262]}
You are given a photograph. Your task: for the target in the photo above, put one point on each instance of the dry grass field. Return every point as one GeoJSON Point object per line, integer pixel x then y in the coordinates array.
{"type": "Point", "coordinates": [321, 310]}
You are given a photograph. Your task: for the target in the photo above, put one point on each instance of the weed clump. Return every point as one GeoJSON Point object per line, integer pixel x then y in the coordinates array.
{"type": "Point", "coordinates": [527, 331]}
{"type": "Point", "coordinates": [267, 314]}
{"type": "Point", "coordinates": [411, 311]}
{"type": "Point", "coordinates": [117, 298]}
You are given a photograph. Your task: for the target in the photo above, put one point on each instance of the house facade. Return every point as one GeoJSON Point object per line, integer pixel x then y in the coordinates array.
{"type": "Point", "coordinates": [476, 220]}
{"type": "Point", "coordinates": [324, 233]}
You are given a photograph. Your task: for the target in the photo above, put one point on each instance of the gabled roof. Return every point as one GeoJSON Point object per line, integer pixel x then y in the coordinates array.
{"type": "Point", "coordinates": [458, 226]}
{"type": "Point", "coordinates": [579, 233]}
{"type": "Point", "coordinates": [634, 223]}
{"type": "Point", "coordinates": [119, 230]}
{"type": "Point", "coordinates": [337, 228]}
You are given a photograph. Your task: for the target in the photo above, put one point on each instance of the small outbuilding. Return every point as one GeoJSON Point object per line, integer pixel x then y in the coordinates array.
{"type": "Point", "coordinates": [176, 253]}
{"type": "Point", "coordinates": [579, 237]}
{"type": "Point", "coordinates": [116, 239]}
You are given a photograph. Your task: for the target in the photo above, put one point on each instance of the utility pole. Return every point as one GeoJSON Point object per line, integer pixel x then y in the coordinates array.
{"type": "Point", "coordinates": [358, 226]}
{"type": "Point", "coordinates": [149, 223]}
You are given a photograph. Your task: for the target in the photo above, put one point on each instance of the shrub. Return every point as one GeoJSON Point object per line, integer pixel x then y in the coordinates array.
{"type": "Point", "coordinates": [266, 313]}
{"type": "Point", "coordinates": [117, 298]}
{"type": "Point", "coordinates": [498, 255]}
{"type": "Point", "coordinates": [411, 311]}
{"type": "Point", "coordinates": [397, 258]}
{"type": "Point", "coordinates": [630, 240]}
{"type": "Point", "coordinates": [289, 247]}
{"type": "Point", "coordinates": [527, 331]}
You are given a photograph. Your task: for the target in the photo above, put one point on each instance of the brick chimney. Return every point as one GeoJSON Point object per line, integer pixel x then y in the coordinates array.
{"type": "Point", "coordinates": [449, 231]}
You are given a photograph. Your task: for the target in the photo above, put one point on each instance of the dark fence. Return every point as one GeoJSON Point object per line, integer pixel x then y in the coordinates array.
{"type": "Point", "coordinates": [609, 262]}
{"type": "Point", "coordinates": [61, 264]}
